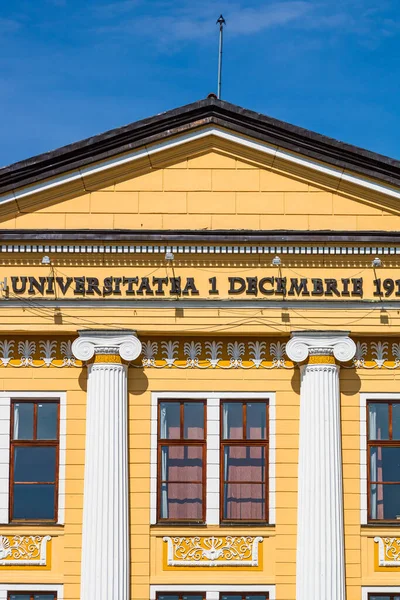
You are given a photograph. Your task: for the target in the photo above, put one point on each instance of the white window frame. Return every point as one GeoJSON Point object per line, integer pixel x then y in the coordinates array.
{"type": "Point", "coordinates": [5, 424]}
{"type": "Point", "coordinates": [213, 400]}
{"type": "Point", "coordinates": [34, 587]}
{"type": "Point", "coordinates": [213, 591]}
{"type": "Point", "coordinates": [379, 589]}
{"type": "Point", "coordinates": [363, 447]}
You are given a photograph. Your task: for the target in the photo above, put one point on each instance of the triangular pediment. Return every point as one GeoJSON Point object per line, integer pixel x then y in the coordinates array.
{"type": "Point", "coordinates": [203, 173]}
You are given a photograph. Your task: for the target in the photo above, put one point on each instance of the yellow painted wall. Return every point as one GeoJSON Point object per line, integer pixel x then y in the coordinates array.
{"type": "Point", "coordinates": [279, 548]}
{"type": "Point", "coordinates": [214, 190]}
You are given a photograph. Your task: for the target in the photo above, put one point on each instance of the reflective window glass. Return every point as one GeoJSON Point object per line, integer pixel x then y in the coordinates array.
{"type": "Point", "coordinates": [47, 421]}
{"type": "Point", "coordinates": [34, 463]}
{"type": "Point", "coordinates": [232, 414]}
{"type": "Point", "coordinates": [396, 421]}
{"type": "Point", "coordinates": [193, 420]}
{"type": "Point", "coordinates": [256, 420]}
{"type": "Point", "coordinates": [23, 421]}
{"type": "Point", "coordinates": [170, 420]}
{"type": "Point", "coordinates": [378, 423]}
{"type": "Point", "coordinates": [33, 502]}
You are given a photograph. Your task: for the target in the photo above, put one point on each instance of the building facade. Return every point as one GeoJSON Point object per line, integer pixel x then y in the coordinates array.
{"type": "Point", "coordinates": [199, 365]}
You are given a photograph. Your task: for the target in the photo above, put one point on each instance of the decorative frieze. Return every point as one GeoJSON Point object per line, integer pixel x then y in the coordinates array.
{"type": "Point", "coordinates": [224, 551]}
{"type": "Point", "coordinates": [388, 551]}
{"type": "Point", "coordinates": [198, 353]}
{"type": "Point", "coordinates": [23, 550]}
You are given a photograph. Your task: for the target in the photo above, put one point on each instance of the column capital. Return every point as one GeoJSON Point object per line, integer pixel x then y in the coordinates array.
{"type": "Point", "coordinates": [317, 343]}
{"type": "Point", "coordinates": [122, 342]}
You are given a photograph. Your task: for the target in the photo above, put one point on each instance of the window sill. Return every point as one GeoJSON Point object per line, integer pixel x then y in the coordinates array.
{"type": "Point", "coordinates": [41, 525]}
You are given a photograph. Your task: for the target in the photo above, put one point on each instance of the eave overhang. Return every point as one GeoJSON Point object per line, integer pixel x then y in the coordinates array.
{"type": "Point", "coordinates": [206, 117]}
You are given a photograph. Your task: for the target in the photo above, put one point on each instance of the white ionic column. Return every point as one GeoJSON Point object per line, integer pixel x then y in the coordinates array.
{"type": "Point", "coordinates": [320, 569]}
{"type": "Point", "coordinates": [105, 531]}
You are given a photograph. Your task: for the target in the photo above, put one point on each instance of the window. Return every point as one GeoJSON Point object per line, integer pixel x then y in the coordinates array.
{"type": "Point", "coordinates": [243, 596]}
{"type": "Point", "coordinates": [32, 596]}
{"type": "Point", "coordinates": [180, 596]}
{"type": "Point", "coordinates": [34, 463]}
{"type": "Point", "coordinates": [383, 596]}
{"type": "Point", "coordinates": [244, 461]}
{"type": "Point", "coordinates": [383, 461]}
{"type": "Point", "coordinates": [181, 461]}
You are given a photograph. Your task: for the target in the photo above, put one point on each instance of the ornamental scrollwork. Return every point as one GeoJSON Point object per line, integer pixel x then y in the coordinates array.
{"type": "Point", "coordinates": [213, 551]}
{"type": "Point", "coordinates": [23, 550]}
{"type": "Point", "coordinates": [388, 551]}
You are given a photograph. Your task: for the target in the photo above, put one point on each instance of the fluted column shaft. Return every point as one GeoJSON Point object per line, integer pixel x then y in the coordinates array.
{"type": "Point", "coordinates": [105, 530]}
{"type": "Point", "coordinates": [320, 530]}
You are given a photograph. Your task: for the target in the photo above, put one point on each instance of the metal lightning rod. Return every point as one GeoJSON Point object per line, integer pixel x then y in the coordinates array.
{"type": "Point", "coordinates": [221, 22]}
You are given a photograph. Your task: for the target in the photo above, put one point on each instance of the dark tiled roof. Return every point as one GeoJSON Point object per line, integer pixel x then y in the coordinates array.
{"type": "Point", "coordinates": [186, 118]}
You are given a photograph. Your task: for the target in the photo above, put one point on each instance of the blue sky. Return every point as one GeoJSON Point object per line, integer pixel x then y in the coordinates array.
{"type": "Point", "coordinates": [70, 69]}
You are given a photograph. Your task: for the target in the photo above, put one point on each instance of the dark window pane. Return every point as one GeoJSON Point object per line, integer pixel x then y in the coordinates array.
{"type": "Point", "coordinates": [244, 463]}
{"type": "Point", "coordinates": [192, 597]}
{"type": "Point", "coordinates": [396, 421]}
{"type": "Point", "coordinates": [44, 597]}
{"type": "Point", "coordinates": [35, 464]}
{"type": "Point", "coordinates": [170, 420]}
{"type": "Point", "coordinates": [34, 501]}
{"type": "Point", "coordinates": [47, 421]}
{"type": "Point", "coordinates": [181, 463]}
{"type": "Point", "coordinates": [23, 421]}
{"type": "Point", "coordinates": [167, 597]}
{"type": "Point", "coordinates": [181, 501]}
{"type": "Point", "coordinates": [385, 464]}
{"type": "Point", "coordinates": [256, 421]}
{"type": "Point", "coordinates": [20, 597]}
{"type": "Point", "coordinates": [232, 415]}
{"type": "Point", "coordinates": [378, 421]}
{"type": "Point", "coordinates": [244, 501]}
{"type": "Point", "coordinates": [231, 596]}
{"type": "Point", "coordinates": [372, 597]}
{"type": "Point", "coordinates": [384, 501]}
{"type": "Point", "coordinates": [256, 597]}
{"type": "Point", "coordinates": [193, 420]}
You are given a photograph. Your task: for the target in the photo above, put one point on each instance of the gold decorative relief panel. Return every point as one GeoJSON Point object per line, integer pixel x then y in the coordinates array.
{"type": "Point", "coordinates": [388, 551]}
{"type": "Point", "coordinates": [224, 551]}
{"type": "Point", "coordinates": [21, 550]}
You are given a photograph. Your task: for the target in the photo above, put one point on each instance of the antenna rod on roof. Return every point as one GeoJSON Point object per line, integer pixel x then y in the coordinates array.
{"type": "Point", "coordinates": [221, 22]}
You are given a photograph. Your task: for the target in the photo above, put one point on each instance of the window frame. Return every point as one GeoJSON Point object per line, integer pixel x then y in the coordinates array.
{"type": "Point", "coordinates": [263, 443]}
{"type": "Point", "coordinates": [180, 594]}
{"type": "Point", "coordinates": [31, 594]}
{"type": "Point", "coordinates": [182, 442]}
{"type": "Point", "coordinates": [34, 443]}
{"type": "Point", "coordinates": [390, 443]}
{"type": "Point", "coordinates": [243, 594]}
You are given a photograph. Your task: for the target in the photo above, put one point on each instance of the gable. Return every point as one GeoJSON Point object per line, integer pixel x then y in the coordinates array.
{"type": "Point", "coordinates": [205, 184]}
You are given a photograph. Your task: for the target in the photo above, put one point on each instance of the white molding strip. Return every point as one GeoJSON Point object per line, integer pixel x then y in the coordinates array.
{"type": "Point", "coordinates": [213, 591]}
{"type": "Point", "coordinates": [34, 587]}
{"type": "Point", "coordinates": [363, 447]}
{"type": "Point", "coordinates": [213, 448]}
{"type": "Point", "coordinates": [5, 401]}
{"type": "Point", "coordinates": [254, 250]}
{"type": "Point", "coordinates": [4, 458]}
{"type": "Point", "coordinates": [279, 153]}
{"type": "Point", "coordinates": [365, 591]}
